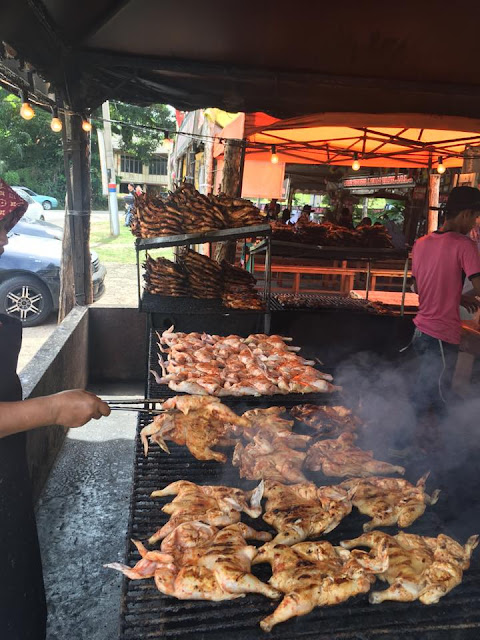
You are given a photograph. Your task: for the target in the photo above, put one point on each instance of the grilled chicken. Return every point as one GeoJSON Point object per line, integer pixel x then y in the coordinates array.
{"type": "Point", "coordinates": [234, 366]}
{"type": "Point", "coordinates": [198, 423]}
{"type": "Point", "coordinates": [325, 420]}
{"type": "Point", "coordinates": [316, 574]}
{"type": "Point", "coordinates": [215, 505]}
{"type": "Point", "coordinates": [269, 459]}
{"type": "Point", "coordinates": [341, 457]}
{"type": "Point", "coordinates": [389, 501]}
{"type": "Point", "coordinates": [302, 511]}
{"type": "Point", "coordinates": [270, 424]}
{"type": "Point", "coordinates": [420, 568]}
{"type": "Point", "coordinates": [199, 562]}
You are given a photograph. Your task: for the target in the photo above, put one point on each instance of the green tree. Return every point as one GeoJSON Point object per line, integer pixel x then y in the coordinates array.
{"type": "Point", "coordinates": [140, 143]}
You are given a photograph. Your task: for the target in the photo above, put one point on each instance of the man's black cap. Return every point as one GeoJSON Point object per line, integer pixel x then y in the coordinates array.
{"type": "Point", "coordinates": [462, 198]}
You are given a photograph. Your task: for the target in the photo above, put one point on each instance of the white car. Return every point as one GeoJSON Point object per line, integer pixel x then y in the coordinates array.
{"type": "Point", "coordinates": [35, 209]}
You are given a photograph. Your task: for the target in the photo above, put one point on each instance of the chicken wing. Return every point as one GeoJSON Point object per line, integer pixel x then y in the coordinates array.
{"type": "Point", "coordinates": [269, 459]}
{"type": "Point", "coordinates": [300, 511]}
{"type": "Point", "coordinates": [317, 574]}
{"type": "Point", "coordinates": [215, 505]}
{"type": "Point", "coordinates": [420, 568]}
{"type": "Point", "coordinates": [341, 457]}
{"type": "Point", "coordinates": [389, 501]}
{"type": "Point", "coordinates": [199, 562]}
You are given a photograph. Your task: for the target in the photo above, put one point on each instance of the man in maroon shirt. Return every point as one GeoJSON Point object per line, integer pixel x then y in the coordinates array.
{"type": "Point", "coordinates": [440, 263]}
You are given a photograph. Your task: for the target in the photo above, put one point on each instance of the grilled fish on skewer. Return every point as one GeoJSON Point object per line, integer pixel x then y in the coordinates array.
{"type": "Point", "coordinates": [317, 574]}
{"type": "Point", "coordinates": [199, 562]}
{"type": "Point", "coordinates": [389, 501]}
{"type": "Point", "coordinates": [420, 568]}
{"type": "Point", "coordinates": [301, 511]}
{"type": "Point", "coordinates": [341, 457]}
{"type": "Point", "coordinates": [215, 505]}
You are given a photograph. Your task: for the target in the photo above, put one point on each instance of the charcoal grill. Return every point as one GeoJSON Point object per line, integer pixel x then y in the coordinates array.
{"type": "Point", "coordinates": [146, 614]}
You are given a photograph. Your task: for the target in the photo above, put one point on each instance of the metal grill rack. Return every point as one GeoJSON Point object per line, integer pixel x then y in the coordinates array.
{"type": "Point", "coordinates": [317, 301]}
{"type": "Point", "coordinates": [146, 614]}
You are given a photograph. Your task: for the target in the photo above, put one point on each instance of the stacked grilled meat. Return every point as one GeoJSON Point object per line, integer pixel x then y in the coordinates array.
{"type": "Point", "coordinates": [199, 276]}
{"type": "Point", "coordinates": [185, 210]}
{"type": "Point", "coordinates": [239, 288]}
{"type": "Point", "coordinates": [329, 234]}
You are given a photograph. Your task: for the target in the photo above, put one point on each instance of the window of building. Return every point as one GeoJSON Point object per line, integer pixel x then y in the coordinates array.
{"type": "Point", "coordinates": [158, 166]}
{"type": "Point", "coordinates": [129, 164]}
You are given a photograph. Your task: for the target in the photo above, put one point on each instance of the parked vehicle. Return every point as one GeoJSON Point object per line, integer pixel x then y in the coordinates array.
{"type": "Point", "coordinates": [30, 272]}
{"type": "Point", "coordinates": [47, 202]}
{"type": "Point", "coordinates": [35, 209]}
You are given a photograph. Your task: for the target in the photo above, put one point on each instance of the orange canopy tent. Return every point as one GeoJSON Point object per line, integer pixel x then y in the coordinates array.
{"type": "Point", "coordinates": [376, 140]}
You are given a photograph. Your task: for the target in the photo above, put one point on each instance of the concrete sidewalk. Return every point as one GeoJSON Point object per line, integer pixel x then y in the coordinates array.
{"type": "Point", "coordinates": [82, 521]}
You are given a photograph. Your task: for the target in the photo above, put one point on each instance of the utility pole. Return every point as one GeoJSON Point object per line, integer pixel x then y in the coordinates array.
{"type": "Point", "coordinates": [112, 183]}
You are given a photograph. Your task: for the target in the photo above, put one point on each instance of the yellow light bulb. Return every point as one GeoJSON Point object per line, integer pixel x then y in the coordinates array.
{"type": "Point", "coordinates": [274, 158]}
{"type": "Point", "coordinates": [441, 168]}
{"type": "Point", "coordinates": [355, 165]}
{"type": "Point", "coordinates": [56, 125]}
{"type": "Point", "coordinates": [26, 111]}
{"type": "Point", "coordinates": [168, 144]}
{"type": "Point", "coordinates": [86, 126]}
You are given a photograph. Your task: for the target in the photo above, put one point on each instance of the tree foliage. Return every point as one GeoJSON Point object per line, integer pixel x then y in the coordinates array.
{"type": "Point", "coordinates": [141, 143]}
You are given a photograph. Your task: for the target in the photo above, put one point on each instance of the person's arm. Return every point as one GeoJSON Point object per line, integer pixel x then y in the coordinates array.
{"type": "Point", "coordinates": [470, 259]}
{"type": "Point", "coordinates": [68, 408]}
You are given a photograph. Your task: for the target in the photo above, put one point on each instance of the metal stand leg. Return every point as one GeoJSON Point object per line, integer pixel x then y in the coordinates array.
{"type": "Point", "coordinates": [404, 287]}
{"type": "Point", "coordinates": [138, 282]}
{"type": "Point", "coordinates": [367, 284]}
{"type": "Point", "coordinates": [268, 284]}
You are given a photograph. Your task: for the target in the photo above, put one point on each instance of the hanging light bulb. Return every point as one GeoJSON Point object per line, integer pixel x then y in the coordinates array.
{"type": "Point", "coordinates": [274, 157]}
{"type": "Point", "coordinates": [86, 124]}
{"type": "Point", "coordinates": [26, 110]}
{"type": "Point", "coordinates": [56, 123]}
{"type": "Point", "coordinates": [441, 167]}
{"type": "Point", "coordinates": [167, 141]}
{"type": "Point", "coordinates": [355, 163]}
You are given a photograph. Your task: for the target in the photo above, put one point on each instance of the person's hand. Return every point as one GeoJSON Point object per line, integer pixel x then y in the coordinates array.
{"type": "Point", "coordinates": [470, 303]}
{"type": "Point", "coordinates": [75, 408]}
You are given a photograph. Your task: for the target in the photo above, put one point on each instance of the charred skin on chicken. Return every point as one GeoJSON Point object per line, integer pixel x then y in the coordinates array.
{"type": "Point", "coordinates": [420, 568]}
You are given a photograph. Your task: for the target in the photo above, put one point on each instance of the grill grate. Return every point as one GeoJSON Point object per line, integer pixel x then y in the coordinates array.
{"type": "Point", "coordinates": [147, 614]}
{"type": "Point", "coordinates": [315, 301]}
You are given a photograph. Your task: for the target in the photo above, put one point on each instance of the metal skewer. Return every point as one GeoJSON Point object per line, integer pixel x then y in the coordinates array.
{"type": "Point", "coordinates": [153, 412]}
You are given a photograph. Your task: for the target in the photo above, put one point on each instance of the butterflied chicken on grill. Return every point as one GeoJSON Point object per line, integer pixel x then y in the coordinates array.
{"type": "Point", "coordinates": [234, 366]}
{"type": "Point", "coordinates": [389, 501]}
{"type": "Point", "coordinates": [341, 457]}
{"type": "Point", "coordinates": [420, 568]}
{"type": "Point", "coordinates": [301, 511]}
{"type": "Point", "coordinates": [269, 459]}
{"type": "Point", "coordinates": [326, 420]}
{"type": "Point", "coordinates": [317, 574]}
{"type": "Point", "coordinates": [197, 422]}
{"type": "Point", "coordinates": [199, 562]}
{"type": "Point", "coordinates": [270, 423]}
{"type": "Point", "coordinates": [215, 505]}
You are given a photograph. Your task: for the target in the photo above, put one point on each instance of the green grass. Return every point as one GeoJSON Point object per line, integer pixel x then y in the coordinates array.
{"type": "Point", "coordinates": [120, 250]}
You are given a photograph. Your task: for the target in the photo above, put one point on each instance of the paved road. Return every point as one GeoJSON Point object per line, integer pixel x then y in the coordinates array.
{"type": "Point", "coordinates": [58, 217]}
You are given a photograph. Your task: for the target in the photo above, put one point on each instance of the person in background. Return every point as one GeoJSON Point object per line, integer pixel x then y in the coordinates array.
{"type": "Point", "coordinates": [138, 190]}
{"type": "Point", "coordinates": [129, 202]}
{"type": "Point", "coordinates": [345, 219]}
{"type": "Point", "coordinates": [286, 216]}
{"type": "Point", "coordinates": [305, 215]}
{"type": "Point", "coordinates": [22, 598]}
{"type": "Point", "coordinates": [364, 222]}
{"type": "Point", "coordinates": [440, 262]}
{"type": "Point", "coordinates": [475, 233]}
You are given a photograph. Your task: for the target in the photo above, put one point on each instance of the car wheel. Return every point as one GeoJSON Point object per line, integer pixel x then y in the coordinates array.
{"type": "Point", "coordinates": [47, 205]}
{"type": "Point", "coordinates": [27, 299]}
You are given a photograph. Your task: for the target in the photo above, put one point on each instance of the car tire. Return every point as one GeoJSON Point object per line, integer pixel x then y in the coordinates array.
{"type": "Point", "coordinates": [47, 205]}
{"type": "Point", "coordinates": [26, 298]}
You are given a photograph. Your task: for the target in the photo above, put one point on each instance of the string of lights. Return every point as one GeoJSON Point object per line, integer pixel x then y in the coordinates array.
{"type": "Point", "coordinates": [27, 112]}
